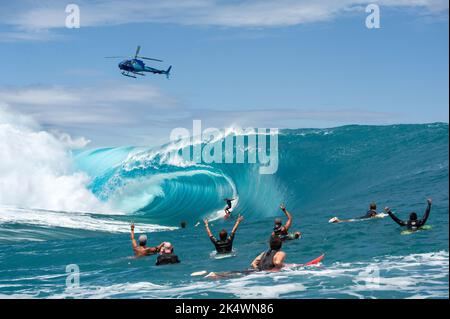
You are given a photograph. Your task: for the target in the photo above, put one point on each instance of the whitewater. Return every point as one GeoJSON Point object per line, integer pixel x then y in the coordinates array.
{"type": "Point", "coordinates": [62, 205]}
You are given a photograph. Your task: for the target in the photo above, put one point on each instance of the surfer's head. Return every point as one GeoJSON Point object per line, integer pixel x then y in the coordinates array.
{"type": "Point", "coordinates": [373, 206]}
{"type": "Point", "coordinates": [277, 226]}
{"type": "Point", "coordinates": [166, 248]}
{"type": "Point", "coordinates": [413, 216]}
{"type": "Point", "coordinates": [297, 235]}
{"type": "Point", "coordinates": [278, 222]}
{"type": "Point", "coordinates": [223, 234]}
{"type": "Point", "coordinates": [275, 243]}
{"type": "Point", "coordinates": [142, 240]}
{"type": "Point", "coordinates": [183, 224]}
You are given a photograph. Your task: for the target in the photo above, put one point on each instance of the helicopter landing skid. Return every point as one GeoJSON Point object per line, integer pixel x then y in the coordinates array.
{"type": "Point", "coordinates": [127, 74]}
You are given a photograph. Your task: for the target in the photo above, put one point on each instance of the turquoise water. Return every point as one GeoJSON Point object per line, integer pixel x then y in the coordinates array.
{"type": "Point", "coordinates": [322, 173]}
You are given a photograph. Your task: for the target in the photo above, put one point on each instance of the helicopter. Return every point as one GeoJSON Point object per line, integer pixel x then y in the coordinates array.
{"type": "Point", "coordinates": [135, 66]}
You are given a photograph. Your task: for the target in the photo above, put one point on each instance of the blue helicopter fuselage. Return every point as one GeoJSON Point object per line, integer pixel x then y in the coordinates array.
{"type": "Point", "coordinates": [133, 65]}
{"type": "Point", "coordinates": [136, 66]}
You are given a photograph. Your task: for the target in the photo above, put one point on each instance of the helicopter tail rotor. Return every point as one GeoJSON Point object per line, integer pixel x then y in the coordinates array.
{"type": "Point", "coordinates": [167, 72]}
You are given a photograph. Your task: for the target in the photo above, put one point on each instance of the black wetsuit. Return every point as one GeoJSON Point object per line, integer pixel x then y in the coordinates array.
{"type": "Point", "coordinates": [266, 262]}
{"type": "Point", "coordinates": [280, 232]}
{"type": "Point", "coordinates": [223, 246]}
{"type": "Point", "coordinates": [371, 213]}
{"type": "Point", "coordinates": [412, 224]}
{"type": "Point", "coordinates": [228, 201]}
{"type": "Point", "coordinates": [283, 234]}
{"type": "Point", "coordinates": [166, 259]}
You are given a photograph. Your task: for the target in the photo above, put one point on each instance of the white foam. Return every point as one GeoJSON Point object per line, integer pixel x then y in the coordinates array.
{"type": "Point", "coordinates": [72, 220]}
{"type": "Point", "coordinates": [36, 169]}
{"type": "Point", "coordinates": [417, 274]}
{"type": "Point", "coordinates": [401, 274]}
{"type": "Point", "coordinates": [168, 153]}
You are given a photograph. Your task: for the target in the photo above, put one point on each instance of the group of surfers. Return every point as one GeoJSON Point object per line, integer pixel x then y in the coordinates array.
{"type": "Point", "coordinates": [412, 224]}
{"type": "Point", "coordinates": [273, 259]}
{"type": "Point", "coordinates": [270, 260]}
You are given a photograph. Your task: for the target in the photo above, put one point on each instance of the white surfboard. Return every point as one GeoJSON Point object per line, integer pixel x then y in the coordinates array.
{"type": "Point", "coordinates": [336, 220]}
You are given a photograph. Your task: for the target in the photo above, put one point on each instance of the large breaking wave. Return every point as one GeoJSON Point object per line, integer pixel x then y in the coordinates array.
{"type": "Point", "coordinates": [318, 168]}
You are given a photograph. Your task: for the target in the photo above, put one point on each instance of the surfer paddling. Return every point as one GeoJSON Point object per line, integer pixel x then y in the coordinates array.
{"type": "Point", "coordinates": [225, 243]}
{"type": "Point", "coordinates": [271, 260]}
{"type": "Point", "coordinates": [141, 249]}
{"type": "Point", "coordinates": [413, 224]}
{"type": "Point", "coordinates": [371, 213]}
{"type": "Point", "coordinates": [282, 231]}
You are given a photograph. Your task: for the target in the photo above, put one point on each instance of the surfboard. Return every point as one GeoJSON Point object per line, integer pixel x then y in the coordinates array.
{"type": "Point", "coordinates": [199, 273]}
{"type": "Point", "coordinates": [313, 262]}
{"type": "Point", "coordinates": [207, 274]}
{"type": "Point", "coordinates": [316, 261]}
{"type": "Point", "coordinates": [215, 255]}
{"type": "Point", "coordinates": [336, 220]}
{"type": "Point", "coordinates": [409, 232]}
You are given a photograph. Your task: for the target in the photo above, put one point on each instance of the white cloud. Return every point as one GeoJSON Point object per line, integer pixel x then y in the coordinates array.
{"type": "Point", "coordinates": [27, 35]}
{"type": "Point", "coordinates": [70, 142]}
{"type": "Point", "coordinates": [294, 118]}
{"type": "Point", "coordinates": [114, 114]}
{"type": "Point", "coordinates": [114, 111]}
{"type": "Point", "coordinates": [37, 96]}
{"type": "Point", "coordinates": [69, 105]}
{"type": "Point", "coordinates": [48, 14]}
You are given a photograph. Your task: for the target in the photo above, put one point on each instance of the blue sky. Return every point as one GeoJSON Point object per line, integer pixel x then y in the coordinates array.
{"type": "Point", "coordinates": [284, 64]}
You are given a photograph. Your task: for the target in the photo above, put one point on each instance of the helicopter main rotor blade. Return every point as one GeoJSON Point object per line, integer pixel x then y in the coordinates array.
{"type": "Point", "coordinates": [142, 57]}
{"type": "Point", "coordinates": [115, 57]}
{"type": "Point", "coordinates": [137, 51]}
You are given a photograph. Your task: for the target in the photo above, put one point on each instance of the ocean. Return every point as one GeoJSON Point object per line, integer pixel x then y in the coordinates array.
{"type": "Point", "coordinates": [61, 208]}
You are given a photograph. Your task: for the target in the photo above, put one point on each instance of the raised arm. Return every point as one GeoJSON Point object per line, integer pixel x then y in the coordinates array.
{"type": "Point", "coordinates": [208, 231]}
{"type": "Point", "coordinates": [427, 213]}
{"type": "Point", "coordinates": [236, 225]}
{"type": "Point", "coordinates": [395, 218]}
{"type": "Point", "coordinates": [133, 241]}
{"type": "Point", "coordinates": [288, 215]}
{"type": "Point", "coordinates": [154, 250]}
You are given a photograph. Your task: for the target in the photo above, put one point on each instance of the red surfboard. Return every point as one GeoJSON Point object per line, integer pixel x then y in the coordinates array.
{"type": "Point", "coordinates": [315, 261]}
{"type": "Point", "coordinates": [309, 263]}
